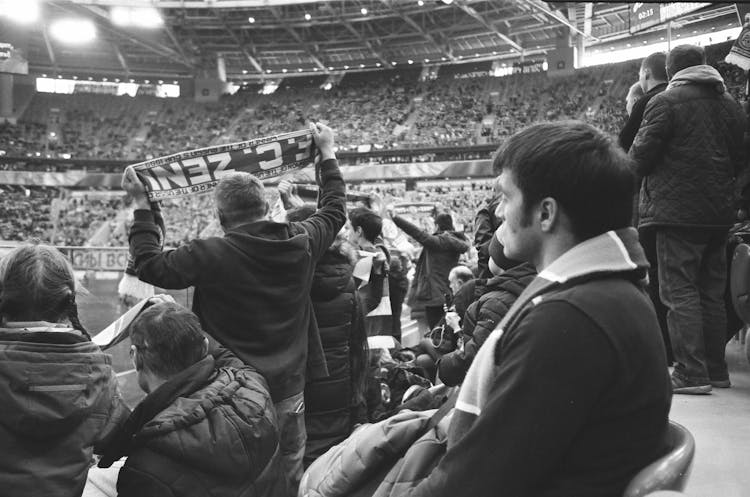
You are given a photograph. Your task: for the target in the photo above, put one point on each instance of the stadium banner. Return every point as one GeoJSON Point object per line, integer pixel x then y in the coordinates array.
{"type": "Point", "coordinates": [739, 55]}
{"type": "Point", "coordinates": [198, 171]}
{"type": "Point", "coordinates": [97, 258]}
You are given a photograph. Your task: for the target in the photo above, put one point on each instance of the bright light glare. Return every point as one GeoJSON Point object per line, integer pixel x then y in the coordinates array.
{"type": "Point", "coordinates": [142, 17]}
{"type": "Point", "coordinates": [73, 31]}
{"type": "Point", "coordinates": [251, 19]}
{"type": "Point", "coordinates": [364, 11]}
{"type": "Point", "coordinates": [308, 17]}
{"type": "Point", "coordinates": [21, 11]}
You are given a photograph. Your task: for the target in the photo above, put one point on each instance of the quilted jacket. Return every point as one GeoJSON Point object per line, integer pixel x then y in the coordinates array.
{"type": "Point", "coordinates": [689, 150]}
{"type": "Point", "coordinates": [481, 318]}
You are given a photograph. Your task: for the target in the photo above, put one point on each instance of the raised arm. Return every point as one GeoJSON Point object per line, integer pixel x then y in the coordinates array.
{"type": "Point", "coordinates": [330, 217]}
{"type": "Point", "coordinates": [173, 269]}
{"type": "Point", "coordinates": [436, 242]}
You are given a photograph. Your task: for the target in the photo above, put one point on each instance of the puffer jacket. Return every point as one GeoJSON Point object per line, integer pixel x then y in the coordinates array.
{"type": "Point", "coordinates": [439, 255]}
{"type": "Point", "coordinates": [689, 150]}
{"type": "Point", "coordinates": [485, 224]}
{"type": "Point", "coordinates": [206, 431]}
{"type": "Point", "coordinates": [329, 401]}
{"type": "Point", "coordinates": [58, 398]}
{"type": "Point", "coordinates": [481, 318]}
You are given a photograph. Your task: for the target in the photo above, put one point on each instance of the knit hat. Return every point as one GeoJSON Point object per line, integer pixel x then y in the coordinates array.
{"type": "Point", "coordinates": [498, 262]}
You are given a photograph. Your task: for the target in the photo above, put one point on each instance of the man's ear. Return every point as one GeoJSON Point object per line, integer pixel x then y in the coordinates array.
{"type": "Point", "coordinates": [549, 214]}
{"type": "Point", "coordinates": [136, 358]}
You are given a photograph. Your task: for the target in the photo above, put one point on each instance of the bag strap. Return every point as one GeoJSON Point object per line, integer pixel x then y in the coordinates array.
{"type": "Point", "coordinates": [443, 411]}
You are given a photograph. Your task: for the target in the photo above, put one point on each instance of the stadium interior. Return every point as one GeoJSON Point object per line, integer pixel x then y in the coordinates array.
{"type": "Point", "coordinates": [420, 93]}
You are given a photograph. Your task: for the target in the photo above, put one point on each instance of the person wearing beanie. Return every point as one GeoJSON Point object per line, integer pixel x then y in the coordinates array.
{"type": "Point", "coordinates": [440, 253]}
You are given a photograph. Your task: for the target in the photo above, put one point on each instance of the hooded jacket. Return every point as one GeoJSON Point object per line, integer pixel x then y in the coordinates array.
{"type": "Point", "coordinates": [252, 286]}
{"type": "Point", "coordinates": [203, 432]}
{"type": "Point", "coordinates": [439, 255]}
{"type": "Point", "coordinates": [570, 394]}
{"type": "Point", "coordinates": [485, 225]}
{"type": "Point", "coordinates": [482, 316]}
{"type": "Point", "coordinates": [58, 398]}
{"type": "Point", "coordinates": [329, 401]}
{"type": "Point", "coordinates": [689, 150]}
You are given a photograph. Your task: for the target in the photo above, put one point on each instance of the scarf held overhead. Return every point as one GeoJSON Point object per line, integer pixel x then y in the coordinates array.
{"type": "Point", "coordinates": [198, 171]}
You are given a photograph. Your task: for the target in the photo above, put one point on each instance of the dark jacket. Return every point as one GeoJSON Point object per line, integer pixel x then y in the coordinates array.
{"type": "Point", "coordinates": [689, 150]}
{"type": "Point", "coordinates": [481, 318]}
{"type": "Point", "coordinates": [439, 255]}
{"type": "Point", "coordinates": [573, 383]}
{"type": "Point", "coordinates": [329, 401]}
{"type": "Point", "coordinates": [252, 286]}
{"type": "Point", "coordinates": [628, 132]}
{"type": "Point", "coordinates": [58, 398]}
{"type": "Point", "coordinates": [203, 432]}
{"type": "Point", "coordinates": [485, 224]}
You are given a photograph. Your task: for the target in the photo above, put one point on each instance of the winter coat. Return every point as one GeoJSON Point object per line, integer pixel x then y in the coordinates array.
{"type": "Point", "coordinates": [485, 224]}
{"type": "Point", "coordinates": [481, 318]}
{"type": "Point", "coordinates": [58, 398]}
{"type": "Point", "coordinates": [206, 431]}
{"type": "Point", "coordinates": [252, 286]}
{"type": "Point", "coordinates": [689, 150]}
{"type": "Point", "coordinates": [329, 401]}
{"type": "Point", "coordinates": [439, 255]}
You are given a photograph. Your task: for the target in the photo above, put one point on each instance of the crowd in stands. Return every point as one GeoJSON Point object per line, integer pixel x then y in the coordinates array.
{"type": "Point", "coordinates": [384, 109]}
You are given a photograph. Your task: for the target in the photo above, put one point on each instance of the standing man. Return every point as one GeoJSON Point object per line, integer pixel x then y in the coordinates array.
{"type": "Point", "coordinates": [652, 80]}
{"type": "Point", "coordinates": [569, 395]}
{"type": "Point", "coordinates": [485, 224]}
{"type": "Point", "coordinates": [689, 151]}
{"type": "Point", "coordinates": [252, 286]}
{"type": "Point", "coordinates": [440, 253]}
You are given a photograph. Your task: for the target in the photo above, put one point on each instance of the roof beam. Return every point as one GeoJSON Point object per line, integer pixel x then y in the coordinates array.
{"type": "Point", "coordinates": [473, 13]}
{"type": "Point", "coordinates": [252, 60]}
{"type": "Point", "coordinates": [365, 42]}
{"type": "Point", "coordinates": [540, 6]}
{"type": "Point", "coordinates": [447, 51]}
{"type": "Point", "coordinates": [122, 60]}
{"type": "Point", "coordinates": [299, 40]}
{"type": "Point", "coordinates": [50, 50]}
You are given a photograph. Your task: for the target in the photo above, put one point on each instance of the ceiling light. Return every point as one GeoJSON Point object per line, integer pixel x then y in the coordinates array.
{"type": "Point", "coordinates": [24, 12]}
{"type": "Point", "coordinates": [330, 68]}
{"type": "Point", "coordinates": [394, 62]}
{"type": "Point", "coordinates": [443, 59]}
{"type": "Point", "coordinates": [346, 67]}
{"type": "Point", "coordinates": [315, 68]}
{"type": "Point", "coordinates": [283, 70]}
{"type": "Point", "coordinates": [73, 31]}
{"type": "Point", "coordinates": [364, 11]}
{"type": "Point", "coordinates": [75, 77]}
{"type": "Point", "coordinates": [161, 82]}
{"type": "Point", "coordinates": [59, 76]}
{"type": "Point", "coordinates": [251, 20]}
{"type": "Point", "coordinates": [427, 60]}
{"type": "Point", "coordinates": [91, 79]}
{"type": "Point", "coordinates": [447, 2]}
{"type": "Point", "coordinates": [244, 71]}
{"type": "Point", "coordinates": [299, 69]}
{"type": "Point", "coordinates": [410, 61]}
{"type": "Point", "coordinates": [378, 64]}
{"type": "Point", "coordinates": [268, 71]}
{"type": "Point", "coordinates": [117, 80]}
{"type": "Point", "coordinates": [44, 75]}
{"type": "Point", "coordinates": [361, 65]}
{"type": "Point", "coordinates": [307, 16]}
{"type": "Point", "coordinates": [420, 3]}
{"type": "Point", "coordinates": [133, 81]}
{"type": "Point", "coordinates": [146, 81]}
{"type": "Point", "coordinates": [104, 79]}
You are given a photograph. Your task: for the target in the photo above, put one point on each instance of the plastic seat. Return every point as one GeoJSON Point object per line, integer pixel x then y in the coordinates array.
{"type": "Point", "coordinates": [669, 472]}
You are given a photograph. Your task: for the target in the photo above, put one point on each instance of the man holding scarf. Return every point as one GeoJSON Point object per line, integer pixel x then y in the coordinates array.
{"type": "Point", "coordinates": [252, 286]}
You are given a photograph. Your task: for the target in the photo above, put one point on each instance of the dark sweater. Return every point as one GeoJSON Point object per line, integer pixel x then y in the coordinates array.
{"type": "Point", "coordinates": [573, 398]}
{"type": "Point", "coordinates": [628, 132]}
{"type": "Point", "coordinates": [252, 286]}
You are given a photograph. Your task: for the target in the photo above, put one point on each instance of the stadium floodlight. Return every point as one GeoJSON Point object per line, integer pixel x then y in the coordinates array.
{"type": "Point", "coordinates": [330, 68]}
{"type": "Point", "coordinates": [22, 12]}
{"type": "Point", "coordinates": [346, 67]}
{"type": "Point", "coordinates": [362, 66]}
{"type": "Point", "coordinates": [378, 64]}
{"type": "Point", "coordinates": [364, 11]}
{"type": "Point", "coordinates": [268, 71]}
{"type": "Point", "coordinates": [73, 31]}
{"type": "Point", "coordinates": [141, 17]}
{"type": "Point", "coordinates": [284, 70]}
{"type": "Point", "coordinates": [410, 61]}
{"type": "Point", "coordinates": [447, 2]}
{"type": "Point", "coordinates": [420, 3]}
{"type": "Point", "coordinates": [244, 71]}
{"type": "Point", "coordinates": [427, 60]}
{"type": "Point", "coordinates": [251, 20]}
{"type": "Point", "coordinates": [307, 16]}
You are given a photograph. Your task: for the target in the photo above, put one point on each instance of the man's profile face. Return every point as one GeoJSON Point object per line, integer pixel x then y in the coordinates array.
{"type": "Point", "coordinates": [454, 283]}
{"type": "Point", "coordinates": [517, 231]}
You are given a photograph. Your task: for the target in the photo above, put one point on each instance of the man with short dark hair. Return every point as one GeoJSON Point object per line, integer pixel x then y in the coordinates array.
{"type": "Point", "coordinates": [201, 430]}
{"type": "Point", "coordinates": [569, 395]}
{"type": "Point", "coordinates": [689, 150]}
{"type": "Point", "coordinates": [252, 286]}
{"type": "Point", "coordinates": [652, 79]}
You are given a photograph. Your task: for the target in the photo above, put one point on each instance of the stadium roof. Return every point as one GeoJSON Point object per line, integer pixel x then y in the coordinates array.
{"type": "Point", "coordinates": [314, 37]}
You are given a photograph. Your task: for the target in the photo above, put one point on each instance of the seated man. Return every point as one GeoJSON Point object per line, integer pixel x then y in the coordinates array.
{"type": "Point", "coordinates": [200, 430]}
{"type": "Point", "coordinates": [570, 394]}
